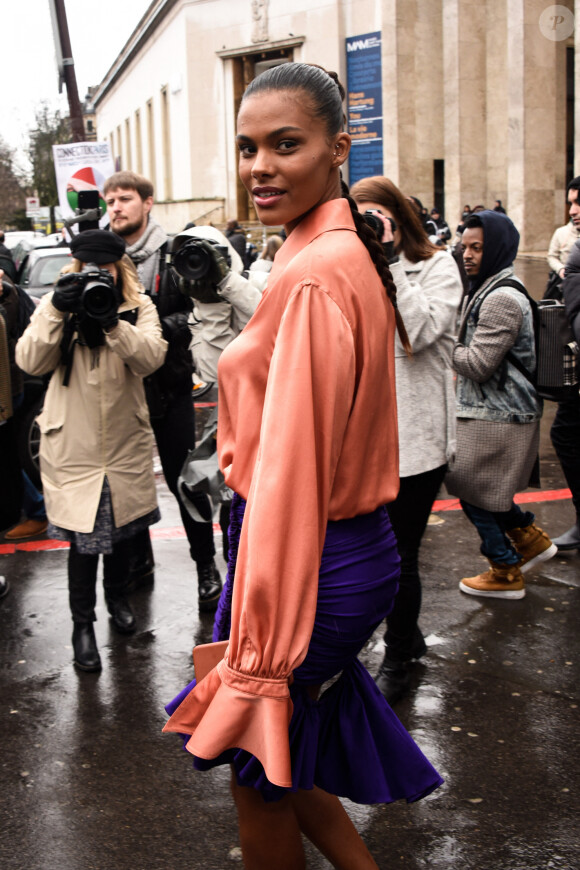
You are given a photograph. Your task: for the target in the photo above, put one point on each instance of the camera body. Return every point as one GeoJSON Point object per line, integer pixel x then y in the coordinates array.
{"type": "Point", "coordinates": [99, 297]}
{"type": "Point", "coordinates": [376, 224]}
{"type": "Point", "coordinates": [192, 260]}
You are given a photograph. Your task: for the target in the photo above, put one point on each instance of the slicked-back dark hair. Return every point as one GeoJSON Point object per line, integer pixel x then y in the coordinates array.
{"type": "Point", "coordinates": [326, 96]}
{"type": "Point", "coordinates": [325, 90]}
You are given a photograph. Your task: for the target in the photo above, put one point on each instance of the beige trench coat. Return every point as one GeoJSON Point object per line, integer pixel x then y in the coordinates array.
{"type": "Point", "coordinates": [99, 424]}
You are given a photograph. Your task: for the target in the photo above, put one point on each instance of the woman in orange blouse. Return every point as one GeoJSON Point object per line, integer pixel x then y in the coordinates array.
{"type": "Point", "coordinates": [307, 439]}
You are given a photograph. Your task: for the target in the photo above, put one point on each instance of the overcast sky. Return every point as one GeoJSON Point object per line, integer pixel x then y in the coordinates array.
{"type": "Point", "coordinates": [97, 30]}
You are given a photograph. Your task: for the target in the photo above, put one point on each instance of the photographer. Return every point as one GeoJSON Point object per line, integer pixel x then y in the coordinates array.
{"type": "Point", "coordinates": [428, 294]}
{"type": "Point", "coordinates": [210, 273]}
{"type": "Point", "coordinates": [101, 336]}
{"type": "Point", "coordinates": [129, 199]}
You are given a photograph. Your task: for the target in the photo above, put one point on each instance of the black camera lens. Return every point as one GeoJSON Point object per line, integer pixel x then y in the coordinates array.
{"type": "Point", "coordinates": [192, 261]}
{"type": "Point", "coordinates": [99, 297]}
{"type": "Point", "coordinates": [374, 222]}
{"type": "Point", "coordinates": [99, 300]}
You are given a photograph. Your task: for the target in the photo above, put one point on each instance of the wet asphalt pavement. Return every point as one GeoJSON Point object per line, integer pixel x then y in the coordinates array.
{"type": "Point", "coordinates": [89, 782]}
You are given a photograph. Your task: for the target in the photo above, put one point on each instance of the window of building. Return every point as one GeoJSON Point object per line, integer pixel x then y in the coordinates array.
{"type": "Point", "coordinates": [138, 143]}
{"type": "Point", "coordinates": [119, 160]}
{"type": "Point", "coordinates": [439, 185]}
{"type": "Point", "coordinates": [128, 157]}
{"type": "Point", "coordinates": [151, 143]}
{"type": "Point", "coordinates": [166, 145]}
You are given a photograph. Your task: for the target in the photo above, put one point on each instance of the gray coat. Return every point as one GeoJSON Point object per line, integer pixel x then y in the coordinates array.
{"type": "Point", "coordinates": [495, 455]}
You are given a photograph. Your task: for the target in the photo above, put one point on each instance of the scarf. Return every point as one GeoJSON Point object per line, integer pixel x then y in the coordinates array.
{"type": "Point", "coordinates": [143, 251]}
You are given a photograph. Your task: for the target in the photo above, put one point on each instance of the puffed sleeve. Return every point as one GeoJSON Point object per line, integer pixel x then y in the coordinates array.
{"type": "Point", "coordinates": [38, 349]}
{"type": "Point", "coordinates": [429, 305]}
{"type": "Point", "coordinates": [142, 347]}
{"type": "Point", "coordinates": [245, 701]}
{"type": "Point", "coordinates": [555, 252]}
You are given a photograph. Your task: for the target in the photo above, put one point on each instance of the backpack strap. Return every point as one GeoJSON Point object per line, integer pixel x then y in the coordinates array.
{"type": "Point", "coordinates": [510, 357]}
{"type": "Point", "coordinates": [159, 274]}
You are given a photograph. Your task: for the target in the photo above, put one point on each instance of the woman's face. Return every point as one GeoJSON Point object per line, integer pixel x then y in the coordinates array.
{"type": "Point", "coordinates": [288, 162]}
{"type": "Point", "coordinates": [376, 206]}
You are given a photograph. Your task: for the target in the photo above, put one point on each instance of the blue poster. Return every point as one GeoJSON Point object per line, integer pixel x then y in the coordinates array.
{"type": "Point", "coordinates": [364, 105]}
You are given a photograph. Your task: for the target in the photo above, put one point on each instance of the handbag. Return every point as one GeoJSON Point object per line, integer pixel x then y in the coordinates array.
{"type": "Point", "coordinates": [206, 656]}
{"type": "Point", "coordinates": [553, 287]}
{"type": "Point", "coordinates": [201, 484]}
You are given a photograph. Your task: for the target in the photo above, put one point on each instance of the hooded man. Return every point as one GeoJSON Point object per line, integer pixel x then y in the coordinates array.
{"type": "Point", "coordinates": [498, 409]}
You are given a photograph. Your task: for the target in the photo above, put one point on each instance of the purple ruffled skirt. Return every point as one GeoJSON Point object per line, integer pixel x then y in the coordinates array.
{"type": "Point", "coordinates": [348, 742]}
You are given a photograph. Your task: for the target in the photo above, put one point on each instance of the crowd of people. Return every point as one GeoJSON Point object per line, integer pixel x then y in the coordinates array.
{"type": "Point", "coordinates": [360, 368]}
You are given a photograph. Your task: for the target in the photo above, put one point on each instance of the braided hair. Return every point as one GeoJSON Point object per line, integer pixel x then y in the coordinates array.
{"type": "Point", "coordinates": [326, 102]}
{"type": "Point", "coordinates": [370, 240]}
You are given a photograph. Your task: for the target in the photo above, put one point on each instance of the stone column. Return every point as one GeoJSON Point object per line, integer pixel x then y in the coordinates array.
{"type": "Point", "coordinates": [464, 77]}
{"type": "Point", "coordinates": [534, 153]}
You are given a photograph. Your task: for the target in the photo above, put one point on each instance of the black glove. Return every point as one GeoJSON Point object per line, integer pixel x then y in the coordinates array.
{"type": "Point", "coordinates": [219, 268]}
{"type": "Point", "coordinates": [109, 323]}
{"type": "Point", "coordinates": [67, 292]}
{"type": "Point", "coordinates": [389, 249]}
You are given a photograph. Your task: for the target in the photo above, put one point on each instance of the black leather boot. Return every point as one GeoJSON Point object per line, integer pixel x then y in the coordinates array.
{"type": "Point", "coordinates": [141, 571]}
{"type": "Point", "coordinates": [393, 680]}
{"type": "Point", "coordinates": [86, 654]}
{"type": "Point", "coordinates": [570, 540]}
{"type": "Point", "coordinates": [209, 584]}
{"type": "Point", "coordinates": [4, 587]}
{"type": "Point", "coordinates": [122, 616]}
{"type": "Point", "coordinates": [115, 571]}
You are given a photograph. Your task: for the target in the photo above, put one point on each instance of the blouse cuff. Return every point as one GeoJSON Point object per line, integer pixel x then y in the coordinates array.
{"type": "Point", "coordinates": [230, 710]}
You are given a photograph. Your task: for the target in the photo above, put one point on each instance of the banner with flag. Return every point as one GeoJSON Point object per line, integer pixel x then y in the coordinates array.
{"type": "Point", "coordinates": [81, 166]}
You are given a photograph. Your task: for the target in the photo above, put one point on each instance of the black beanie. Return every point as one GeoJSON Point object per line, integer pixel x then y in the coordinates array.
{"type": "Point", "coordinates": [97, 246]}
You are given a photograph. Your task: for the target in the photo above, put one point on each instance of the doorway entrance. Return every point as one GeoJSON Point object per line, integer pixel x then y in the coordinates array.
{"type": "Point", "coordinates": [246, 68]}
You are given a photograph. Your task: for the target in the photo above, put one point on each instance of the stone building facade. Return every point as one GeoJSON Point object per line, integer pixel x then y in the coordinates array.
{"type": "Point", "coordinates": [476, 98]}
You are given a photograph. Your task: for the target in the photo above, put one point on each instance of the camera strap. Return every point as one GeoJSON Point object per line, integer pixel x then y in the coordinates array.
{"type": "Point", "coordinates": [130, 316]}
{"type": "Point", "coordinates": [67, 346]}
{"type": "Point", "coordinates": [70, 338]}
{"type": "Point", "coordinates": [161, 267]}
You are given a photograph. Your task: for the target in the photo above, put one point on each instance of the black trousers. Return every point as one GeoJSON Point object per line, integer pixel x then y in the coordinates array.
{"type": "Point", "coordinates": [565, 435]}
{"type": "Point", "coordinates": [82, 579]}
{"type": "Point", "coordinates": [409, 514]}
{"type": "Point", "coordinates": [175, 436]}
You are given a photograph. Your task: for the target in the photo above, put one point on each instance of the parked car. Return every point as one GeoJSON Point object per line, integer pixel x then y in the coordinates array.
{"type": "Point", "coordinates": [13, 237]}
{"type": "Point", "coordinates": [27, 427]}
{"type": "Point", "coordinates": [40, 268]}
{"type": "Point", "coordinates": [27, 244]}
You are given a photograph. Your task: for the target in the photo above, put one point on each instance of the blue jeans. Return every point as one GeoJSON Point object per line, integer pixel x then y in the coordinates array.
{"type": "Point", "coordinates": [492, 528]}
{"type": "Point", "coordinates": [32, 500]}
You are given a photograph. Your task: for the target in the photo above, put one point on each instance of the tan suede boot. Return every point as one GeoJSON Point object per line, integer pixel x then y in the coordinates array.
{"type": "Point", "coordinates": [501, 581]}
{"type": "Point", "coordinates": [533, 545]}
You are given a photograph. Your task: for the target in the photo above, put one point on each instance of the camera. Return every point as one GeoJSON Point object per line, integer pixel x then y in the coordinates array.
{"type": "Point", "coordinates": [376, 224]}
{"type": "Point", "coordinates": [194, 262]}
{"type": "Point", "coordinates": [99, 296]}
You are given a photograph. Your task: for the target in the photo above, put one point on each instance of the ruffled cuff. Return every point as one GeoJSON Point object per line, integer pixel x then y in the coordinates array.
{"type": "Point", "coordinates": [229, 710]}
